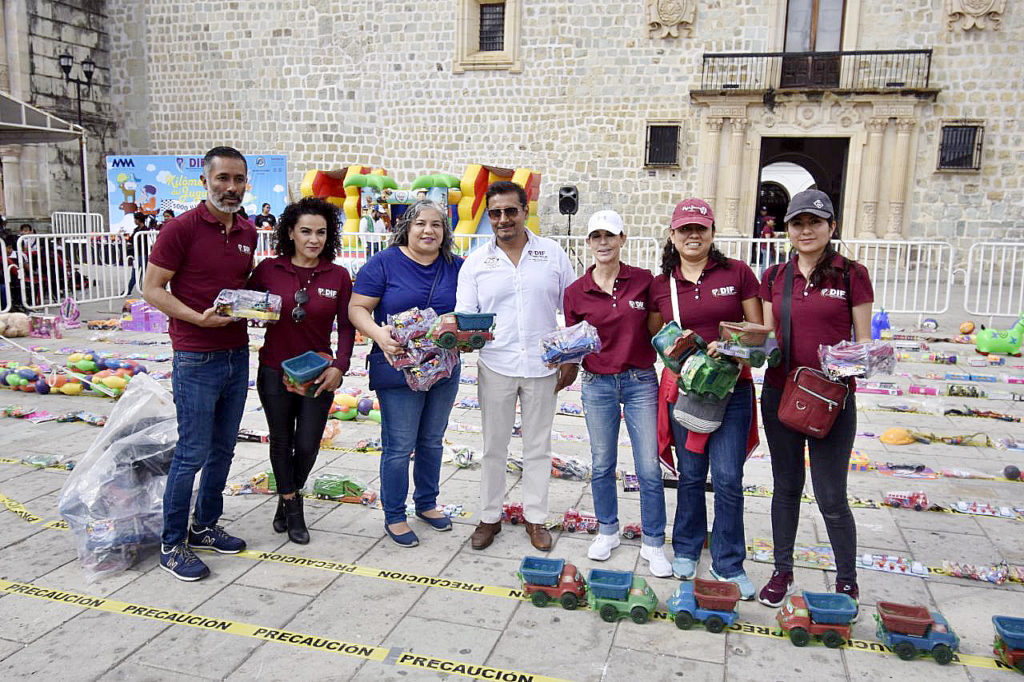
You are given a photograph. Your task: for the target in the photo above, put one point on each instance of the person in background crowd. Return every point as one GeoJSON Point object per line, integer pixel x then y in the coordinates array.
{"type": "Point", "coordinates": [620, 379]}
{"type": "Point", "coordinates": [521, 277]}
{"type": "Point", "coordinates": [417, 270]}
{"type": "Point", "coordinates": [167, 215]}
{"type": "Point", "coordinates": [265, 220]}
{"type": "Point", "coordinates": [314, 295]}
{"type": "Point", "coordinates": [206, 249]}
{"type": "Point", "coordinates": [830, 295]}
{"type": "Point", "coordinates": [710, 289]}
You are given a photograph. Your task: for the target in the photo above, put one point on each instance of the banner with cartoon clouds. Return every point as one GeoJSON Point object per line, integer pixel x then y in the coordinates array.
{"type": "Point", "coordinates": [153, 184]}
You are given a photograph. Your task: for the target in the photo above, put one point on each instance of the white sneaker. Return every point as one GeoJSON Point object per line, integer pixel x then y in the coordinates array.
{"type": "Point", "coordinates": [602, 546]}
{"type": "Point", "coordinates": [660, 566]}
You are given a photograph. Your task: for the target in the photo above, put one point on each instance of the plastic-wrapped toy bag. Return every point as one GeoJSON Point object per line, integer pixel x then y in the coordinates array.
{"type": "Point", "coordinates": [847, 359]}
{"type": "Point", "coordinates": [438, 364]}
{"type": "Point", "coordinates": [569, 345]}
{"type": "Point", "coordinates": [113, 498]}
{"type": "Point", "coordinates": [246, 304]}
{"type": "Point", "coordinates": [411, 324]}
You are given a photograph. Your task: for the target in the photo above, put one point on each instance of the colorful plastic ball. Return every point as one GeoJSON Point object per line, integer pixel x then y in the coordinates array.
{"type": "Point", "coordinates": [967, 327]}
{"type": "Point", "coordinates": [1011, 472]}
{"type": "Point", "coordinates": [346, 401]}
{"type": "Point", "coordinates": [57, 381]}
{"type": "Point", "coordinates": [26, 373]}
{"type": "Point", "coordinates": [364, 406]}
{"type": "Point", "coordinates": [3, 377]}
{"type": "Point", "coordinates": [12, 379]}
{"type": "Point", "coordinates": [374, 415]}
{"type": "Point", "coordinates": [85, 366]}
{"type": "Point", "coordinates": [346, 415]}
{"type": "Point", "coordinates": [42, 388]}
{"type": "Point", "coordinates": [28, 387]}
{"type": "Point", "coordinates": [114, 382]}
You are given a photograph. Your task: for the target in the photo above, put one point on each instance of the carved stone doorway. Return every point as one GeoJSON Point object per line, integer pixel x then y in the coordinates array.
{"type": "Point", "coordinates": [825, 158]}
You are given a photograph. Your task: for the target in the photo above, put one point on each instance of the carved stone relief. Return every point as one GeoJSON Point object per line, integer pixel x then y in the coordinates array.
{"type": "Point", "coordinates": [666, 18]}
{"type": "Point", "coordinates": [980, 14]}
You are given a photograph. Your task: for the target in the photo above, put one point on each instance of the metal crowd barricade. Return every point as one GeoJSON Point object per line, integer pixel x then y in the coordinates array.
{"type": "Point", "coordinates": [88, 267]}
{"type": "Point", "coordinates": [994, 283]}
{"type": "Point", "coordinates": [75, 223]}
{"type": "Point", "coordinates": [6, 301]}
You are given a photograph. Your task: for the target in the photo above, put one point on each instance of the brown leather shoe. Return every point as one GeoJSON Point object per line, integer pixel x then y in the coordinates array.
{"type": "Point", "coordinates": [539, 536]}
{"type": "Point", "coordinates": [484, 534]}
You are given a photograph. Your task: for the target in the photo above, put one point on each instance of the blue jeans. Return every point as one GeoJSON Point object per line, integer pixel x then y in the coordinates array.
{"type": "Point", "coordinates": [413, 420]}
{"type": "Point", "coordinates": [637, 391]}
{"type": "Point", "coordinates": [725, 453]}
{"type": "Point", "coordinates": [209, 396]}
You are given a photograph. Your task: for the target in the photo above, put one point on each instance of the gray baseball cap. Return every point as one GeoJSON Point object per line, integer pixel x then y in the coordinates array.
{"type": "Point", "coordinates": [811, 201]}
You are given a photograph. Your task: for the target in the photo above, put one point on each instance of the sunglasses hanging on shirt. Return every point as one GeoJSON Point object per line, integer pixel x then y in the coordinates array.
{"type": "Point", "coordinates": [301, 299]}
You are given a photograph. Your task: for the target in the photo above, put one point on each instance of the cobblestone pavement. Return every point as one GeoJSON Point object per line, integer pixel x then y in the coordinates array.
{"type": "Point", "coordinates": [352, 605]}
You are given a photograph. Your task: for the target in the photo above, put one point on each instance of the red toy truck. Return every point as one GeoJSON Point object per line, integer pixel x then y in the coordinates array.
{"type": "Point", "coordinates": [824, 614]}
{"type": "Point", "coordinates": [513, 513]}
{"type": "Point", "coordinates": [468, 331]}
{"type": "Point", "coordinates": [546, 580]}
{"type": "Point", "coordinates": [915, 500]}
{"type": "Point", "coordinates": [574, 521]}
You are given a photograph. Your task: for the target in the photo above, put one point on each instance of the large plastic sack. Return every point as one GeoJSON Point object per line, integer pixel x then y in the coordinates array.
{"type": "Point", "coordinates": [113, 499]}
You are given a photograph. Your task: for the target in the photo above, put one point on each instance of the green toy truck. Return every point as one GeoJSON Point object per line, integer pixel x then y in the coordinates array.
{"type": "Point", "coordinates": [616, 594]}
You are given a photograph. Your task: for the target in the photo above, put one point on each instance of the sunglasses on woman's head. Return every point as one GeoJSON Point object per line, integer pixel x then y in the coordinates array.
{"type": "Point", "coordinates": [301, 299]}
{"type": "Point", "coordinates": [495, 213]}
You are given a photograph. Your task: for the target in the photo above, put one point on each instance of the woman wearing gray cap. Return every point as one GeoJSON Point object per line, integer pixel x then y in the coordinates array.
{"type": "Point", "coordinates": [827, 295]}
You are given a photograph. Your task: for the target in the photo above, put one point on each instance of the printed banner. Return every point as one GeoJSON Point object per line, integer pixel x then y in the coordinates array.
{"type": "Point", "coordinates": [154, 184]}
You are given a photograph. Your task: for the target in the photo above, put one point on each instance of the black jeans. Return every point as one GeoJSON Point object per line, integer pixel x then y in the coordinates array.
{"type": "Point", "coordinates": [296, 426]}
{"type": "Point", "coordinates": [830, 465]}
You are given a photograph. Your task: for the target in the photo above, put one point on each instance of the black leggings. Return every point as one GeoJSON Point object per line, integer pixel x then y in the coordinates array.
{"type": "Point", "coordinates": [830, 465]}
{"type": "Point", "coordinates": [296, 426]}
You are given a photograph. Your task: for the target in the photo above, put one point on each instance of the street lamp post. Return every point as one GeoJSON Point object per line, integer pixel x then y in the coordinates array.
{"type": "Point", "coordinates": [88, 68]}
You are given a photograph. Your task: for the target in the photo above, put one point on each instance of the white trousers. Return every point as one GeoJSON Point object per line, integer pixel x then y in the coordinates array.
{"type": "Point", "coordinates": [498, 394]}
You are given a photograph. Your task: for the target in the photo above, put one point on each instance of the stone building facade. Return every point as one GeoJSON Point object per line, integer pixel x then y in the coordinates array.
{"type": "Point", "coordinates": [573, 90]}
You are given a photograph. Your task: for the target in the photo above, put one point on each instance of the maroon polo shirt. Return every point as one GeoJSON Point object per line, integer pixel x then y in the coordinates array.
{"type": "Point", "coordinates": [820, 313]}
{"type": "Point", "coordinates": [329, 287]}
{"type": "Point", "coordinates": [620, 319]}
{"type": "Point", "coordinates": [716, 296]}
{"type": "Point", "coordinates": [204, 261]}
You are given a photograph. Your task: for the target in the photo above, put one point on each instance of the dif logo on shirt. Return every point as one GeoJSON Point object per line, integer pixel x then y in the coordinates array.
{"type": "Point", "coordinates": [327, 293]}
{"type": "Point", "coordinates": [838, 294]}
{"type": "Point", "coordinates": [724, 291]}
{"type": "Point", "coordinates": [244, 248]}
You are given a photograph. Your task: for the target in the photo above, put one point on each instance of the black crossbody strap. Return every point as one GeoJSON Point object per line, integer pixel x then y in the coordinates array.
{"type": "Point", "coordinates": [787, 309]}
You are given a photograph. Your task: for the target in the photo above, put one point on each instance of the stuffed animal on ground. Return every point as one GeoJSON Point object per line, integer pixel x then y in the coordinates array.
{"type": "Point", "coordinates": [1006, 341]}
{"type": "Point", "coordinates": [13, 325]}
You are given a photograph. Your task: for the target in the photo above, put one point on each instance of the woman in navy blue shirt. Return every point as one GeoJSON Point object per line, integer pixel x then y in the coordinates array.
{"type": "Point", "coordinates": [416, 270]}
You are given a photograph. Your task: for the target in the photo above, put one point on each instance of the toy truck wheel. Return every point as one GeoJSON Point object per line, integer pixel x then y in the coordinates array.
{"type": "Point", "coordinates": [757, 358]}
{"type": "Point", "coordinates": [714, 624]}
{"type": "Point", "coordinates": [775, 358]}
{"type": "Point", "coordinates": [684, 621]}
{"type": "Point", "coordinates": [799, 637]}
{"type": "Point", "coordinates": [447, 340]}
{"type": "Point", "coordinates": [942, 654]}
{"type": "Point", "coordinates": [638, 614]}
{"type": "Point", "coordinates": [514, 521]}
{"type": "Point", "coordinates": [571, 527]}
{"type": "Point", "coordinates": [918, 507]}
{"type": "Point", "coordinates": [629, 534]}
{"type": "Point", "coordinates": [569, 601]}
{"type": "Point", "coordinates": [540, 598]}
{"type": "Point", "coordinates": [609, 613]}
{"type": "Point", "coordinates": [476, 341]}
{"type": "Point", "coordinates": [906, 651]}
{"type": "Point", "coordinates": [832, 639]}
{"type": "Point", "coordinates": [1020, 666]}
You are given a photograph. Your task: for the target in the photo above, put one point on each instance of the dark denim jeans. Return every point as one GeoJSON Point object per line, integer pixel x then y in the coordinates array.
{"type": "Point", "coordinates": [413, 421]}
{"type": "Point", "coordinates": [830, 466]}
{"type": "Point", "coordinates": [636, 390]}
{"type": "Point", "coordinates": [209, 396]}
{"type": "Point", "coordinates": [725, 454]}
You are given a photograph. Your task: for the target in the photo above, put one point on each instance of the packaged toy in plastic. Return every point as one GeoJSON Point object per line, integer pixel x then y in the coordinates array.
{"type": "Point", "coordinates": [570, 345]}
{"type": "Point", "coordinates": [846, 359]}
{"type": "Point", "coordinates": [423, 363]}
{"type": "Point", "coordinates": [438, 364]}
{"type": "Point", "coordinates": [249, 305]}
{"type": "Point", "coordinates": [113, 498]}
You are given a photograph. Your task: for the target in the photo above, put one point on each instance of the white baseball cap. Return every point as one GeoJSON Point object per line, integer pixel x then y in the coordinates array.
{"type": "Point", "coordinates": [609, 221]}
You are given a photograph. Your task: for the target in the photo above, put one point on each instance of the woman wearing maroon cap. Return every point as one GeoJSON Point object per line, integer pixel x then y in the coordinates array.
{"type": "Point", "coordinates": [314, 294]}
{"type": "Point", "coordinates": [699, 288]}
{"type": "Point", "coordinates": [830, 294]}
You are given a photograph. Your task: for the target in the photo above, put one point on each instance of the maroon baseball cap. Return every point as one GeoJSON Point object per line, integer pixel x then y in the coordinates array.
{"type": "Point", "coordinates": [692, 211]}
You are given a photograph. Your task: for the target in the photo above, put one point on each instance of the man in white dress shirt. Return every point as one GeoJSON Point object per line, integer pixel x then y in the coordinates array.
{"type": "Point", "coordinates": [521, 277]}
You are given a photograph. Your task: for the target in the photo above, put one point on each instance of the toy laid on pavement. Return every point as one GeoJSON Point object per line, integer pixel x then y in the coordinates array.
{"type": "Point", "coordinates": [250, 305]}
{"type": "Point", "coordinates": [1012, 473]}
{"type": "Point", "coordinates": [631, 531]}
{"type": "Point", "coordinates": [709, 601]}
{"type": "Point", "coordinates": [616, 594]}
{"type": "Point", "coordinates": [574, 521]}
{"type": "Point", "coordinates": [465, 331]}
{"type": "Point", "coordinates": [570, 345]}
{"type": "Point", "coordinates": [342, 488]}
{"type": "Point", "coordinates": [916, 500]}
{"type": "Point", "coordinates": [909, 630]}
{"type": "Point", "coordinates": [1009, 643]}
{"type": "Point", "coordinates": [754, 343]}
{"type": "Point", "coordinates": [1004, 341]}
{"type": "Point", "coordinates": [822, 614]}
{"type": "Point", "coordinates": [546, 580]}
{"type": "Point", "coordinates": [513, 513]}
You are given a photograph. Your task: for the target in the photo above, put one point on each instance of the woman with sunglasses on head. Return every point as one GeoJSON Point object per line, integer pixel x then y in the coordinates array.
{"type": "Point", "coordinates": [314, 294]}
{"type": "Point", "coordinates": [417, 270]}
{"type": "Point", "coordinates": [699, 288]}
{"type": "Point", "coordinates": [829, 295]}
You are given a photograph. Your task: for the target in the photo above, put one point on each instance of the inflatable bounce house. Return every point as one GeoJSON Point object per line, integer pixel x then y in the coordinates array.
{"type": "Point", "coordinates": [357, 189]}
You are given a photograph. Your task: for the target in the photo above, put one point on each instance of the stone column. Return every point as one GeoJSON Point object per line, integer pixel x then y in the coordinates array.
{"type": "Point", "coordinates": [870, 181]}
{"type": "Point", "coordinates": [900, 166]}
{"type": "Point", "coordinates": [709, 178]}
{"type": "Point", "coordinates": [728, 224]}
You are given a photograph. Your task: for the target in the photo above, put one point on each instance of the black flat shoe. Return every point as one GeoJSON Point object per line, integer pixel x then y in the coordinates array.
{"type": "Point", "coordinates": [442, 524]}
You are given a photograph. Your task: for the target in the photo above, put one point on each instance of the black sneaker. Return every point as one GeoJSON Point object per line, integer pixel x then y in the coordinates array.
{"type": "Point", "coordinates": [851, 591]}
{"type": "Point", "coordinates": [779, 586]}
{"type": "Point", "coordinates": [215, 538]}
{"type": "Point", "coordinates": [181, 562]}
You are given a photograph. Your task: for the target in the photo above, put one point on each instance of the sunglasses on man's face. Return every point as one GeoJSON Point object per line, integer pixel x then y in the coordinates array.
{"type": "Point", "coordinates": [495, 213]}
{"type": "Point", "coordinates": [301, 299]}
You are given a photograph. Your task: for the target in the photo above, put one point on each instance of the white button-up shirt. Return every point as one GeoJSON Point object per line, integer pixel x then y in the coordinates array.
{"type": "Point", "coordinates": [525, 298]}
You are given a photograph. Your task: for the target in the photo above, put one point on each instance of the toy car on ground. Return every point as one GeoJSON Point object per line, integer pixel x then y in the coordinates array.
{"type": "Point", "coordinates": [341, 488]}
{"type": "Point", "coordinates": [710, 601]}
{"type": "Point", "coordinates": [674, 345]}
{"type": "Point", "coordinates": [545, 580]}
{"type": "Point", "coordinates": [632, 531]}
{"type": "Point", "coordinates": [823, 614]}
{"type": "Point", "coordinates": [1009, 643]}
{"type": "Point", "coordinates": [616, 594]}
{"type": "Point", "coordinates": [573, 521]}
{"type": "Point", "coordinates": [513, 513]}
{"type": "Point", "coordinates": [467, 331]}
{"type": "Point", "coordinates": [915, 500]}
{"type": "Point", "coordinates": [908, 630]}
{"type": "Point", "coordinates": [755, 343]}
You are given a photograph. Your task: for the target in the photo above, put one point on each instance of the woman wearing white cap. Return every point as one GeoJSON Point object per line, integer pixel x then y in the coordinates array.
{"type": "Point", "coordinates": [612, 296]}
